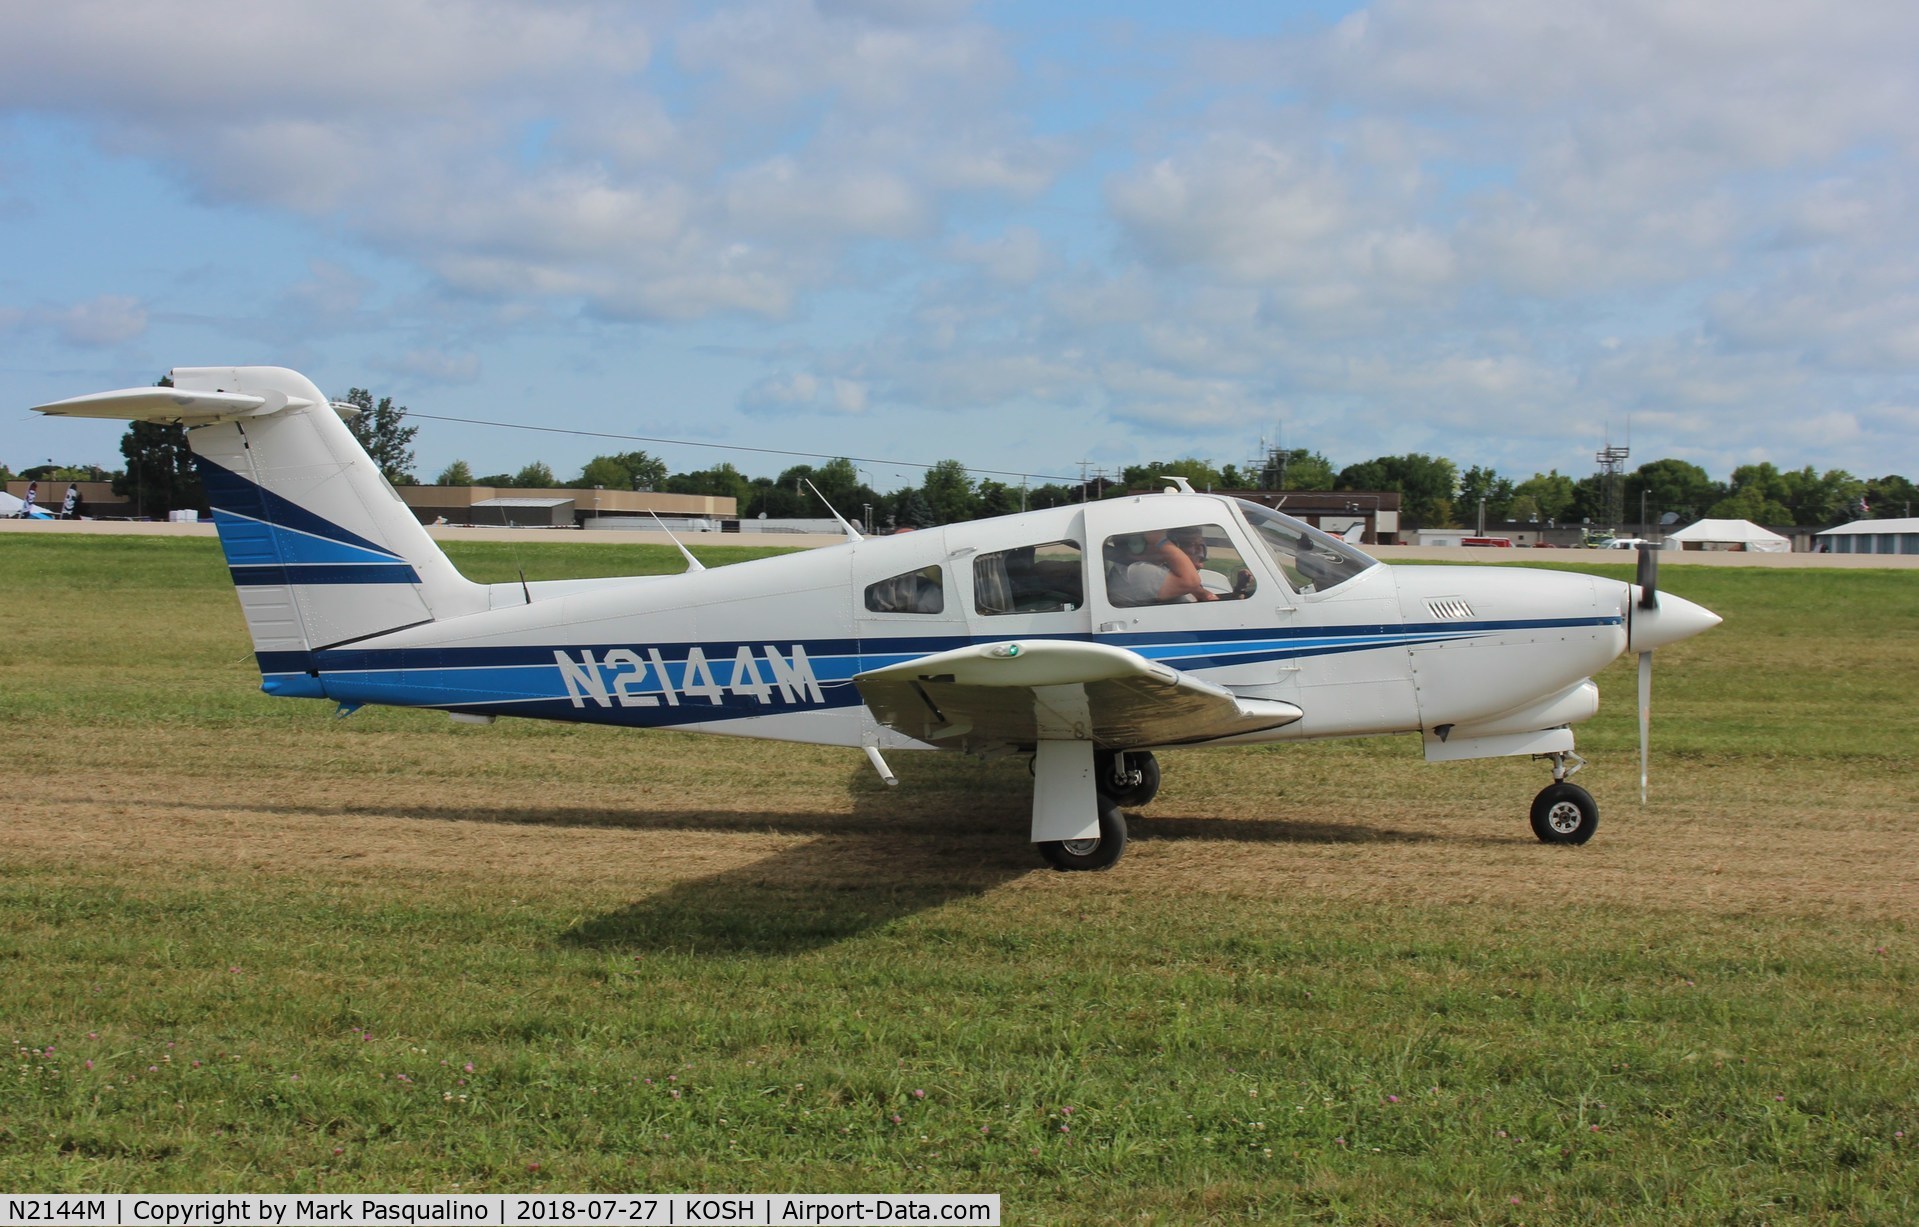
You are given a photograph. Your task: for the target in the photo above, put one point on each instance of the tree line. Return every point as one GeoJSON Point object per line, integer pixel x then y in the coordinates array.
{"type": "Point", "coordinates": [1433, 492]}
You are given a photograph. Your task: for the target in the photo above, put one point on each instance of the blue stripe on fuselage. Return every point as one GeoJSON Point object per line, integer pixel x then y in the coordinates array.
{"type": "Point", "coordinates": [621, 683]}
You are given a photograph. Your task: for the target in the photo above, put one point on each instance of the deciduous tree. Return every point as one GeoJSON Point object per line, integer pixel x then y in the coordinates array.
{"type": "Point", "coordinates": [160, 477]}
{"type": "Point", "coordinates": [948, 490]}
{"type": "Point", "coordinates": [1425, 484]}
{"type": "Point", "coordinates": [535, 475]}
{"type": "Point", "coordinates": [1547, 496]}
{"type": "Point", "coordinates": [624, 471]}
{"type": "Point", "coordinates": [381, 428]}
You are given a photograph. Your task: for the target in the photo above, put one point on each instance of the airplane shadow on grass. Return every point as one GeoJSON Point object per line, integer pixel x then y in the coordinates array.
{"type": "Point", "coordinates": [957, 831]}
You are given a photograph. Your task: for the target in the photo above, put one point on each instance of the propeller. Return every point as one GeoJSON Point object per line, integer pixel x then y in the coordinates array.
{"type": "Point", "coordinates": [1653, 623]}
{"type": "Point", "coordinates": [1648, 581]}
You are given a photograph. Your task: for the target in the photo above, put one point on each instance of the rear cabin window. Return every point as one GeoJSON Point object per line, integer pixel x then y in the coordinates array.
{"type": "Point", "coordinates": [916, 592]}
{"type": "Point", "coordinates": [1032, 579]}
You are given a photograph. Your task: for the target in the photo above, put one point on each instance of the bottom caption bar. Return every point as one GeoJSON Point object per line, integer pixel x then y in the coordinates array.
{"type": "Point", "coordinates": [496, 1209]}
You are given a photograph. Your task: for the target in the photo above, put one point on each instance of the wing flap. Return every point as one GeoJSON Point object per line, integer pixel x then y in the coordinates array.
{"type": "Point", "coordinates": [994, 696]}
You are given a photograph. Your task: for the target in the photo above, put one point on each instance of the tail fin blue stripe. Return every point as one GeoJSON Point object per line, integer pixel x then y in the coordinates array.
{"type": "Point", "coordinates": [275, 576]}
{"type": "Point", "coordinates": [273, 542]}
{"type": "Point", "coordinates": [248, 542]}
{"type": "Point", "coordinates": [229, 492]}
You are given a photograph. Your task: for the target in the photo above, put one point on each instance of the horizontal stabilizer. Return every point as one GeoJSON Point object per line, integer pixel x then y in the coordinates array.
{"type": "Point", "coordinates": [181, 405]}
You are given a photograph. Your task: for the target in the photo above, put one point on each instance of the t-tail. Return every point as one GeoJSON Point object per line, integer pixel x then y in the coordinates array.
{"type": "Point", "coordinates": [322, 549]}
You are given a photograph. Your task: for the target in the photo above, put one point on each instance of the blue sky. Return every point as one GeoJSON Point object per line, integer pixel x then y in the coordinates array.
{"type": "Point", "coordinates": [1027, 236]}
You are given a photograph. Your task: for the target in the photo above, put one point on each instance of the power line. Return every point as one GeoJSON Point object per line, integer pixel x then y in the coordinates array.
{"type": "Point", "coordinates": [728, 447]}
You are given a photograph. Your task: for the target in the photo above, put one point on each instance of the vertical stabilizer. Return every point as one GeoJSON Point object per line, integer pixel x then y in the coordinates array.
{"type": "Point", "coordinates": [322, 549]}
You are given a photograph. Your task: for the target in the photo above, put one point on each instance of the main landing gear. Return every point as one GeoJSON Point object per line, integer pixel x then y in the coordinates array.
{"type": "Point", "coordinates": [1123, 780]}
{"type": "Point", "coordinates": [1085, 855]}
{"type": "Point", "coordinates": [1563, 812]}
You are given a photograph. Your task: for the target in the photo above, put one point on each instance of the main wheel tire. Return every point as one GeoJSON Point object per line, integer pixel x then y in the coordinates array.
{"type": "Point", "coordinates": [1142, 784]}
{"type": "Point", "coordinates": [1564, 814]}
{"type": "Point", "coordinates": [1088, 855]}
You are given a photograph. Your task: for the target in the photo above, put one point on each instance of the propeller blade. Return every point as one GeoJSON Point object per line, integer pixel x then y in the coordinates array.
{"type": "Point", "coordinates": [1648, 578]}
{"type": "Point", "coordinates": [1645, 717]}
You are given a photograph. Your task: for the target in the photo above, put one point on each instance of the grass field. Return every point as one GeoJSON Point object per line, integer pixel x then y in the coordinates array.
{"type": "Point", "coordinates": [246, 946]}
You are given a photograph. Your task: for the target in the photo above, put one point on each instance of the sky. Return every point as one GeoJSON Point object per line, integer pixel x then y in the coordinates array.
{"type": "Point", "coordinates": [1039, 238]}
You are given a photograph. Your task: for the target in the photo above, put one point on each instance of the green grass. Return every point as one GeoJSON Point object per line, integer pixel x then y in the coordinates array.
{"type": "Point", "coordinates": [230, 960]}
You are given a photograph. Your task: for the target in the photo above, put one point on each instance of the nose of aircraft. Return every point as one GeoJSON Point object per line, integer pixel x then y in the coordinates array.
{"type": "Point", "coordinates": [1673, 619]}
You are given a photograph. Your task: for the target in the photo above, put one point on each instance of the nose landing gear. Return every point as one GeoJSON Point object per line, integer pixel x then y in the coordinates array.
{"type": "Point", "coordinates": [1131, 779]}
{"type": "Point", "coordinates": [1563, 812]}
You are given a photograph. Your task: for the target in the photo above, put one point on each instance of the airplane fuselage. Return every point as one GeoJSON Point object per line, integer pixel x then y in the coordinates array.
{"type": "Point", "coordinates": [769, 648]}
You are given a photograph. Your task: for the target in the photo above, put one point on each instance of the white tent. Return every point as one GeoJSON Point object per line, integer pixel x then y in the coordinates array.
{"type": "Point", "coordinates": [1730, 535]}
{"type": "Point", "coordinates": [10, 507]}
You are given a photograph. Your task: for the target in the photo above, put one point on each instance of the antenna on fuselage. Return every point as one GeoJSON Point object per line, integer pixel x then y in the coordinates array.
{"type": "Point", "coordinates": [692, 563]}
{"type": "Point", "coordinates": [852, 534]}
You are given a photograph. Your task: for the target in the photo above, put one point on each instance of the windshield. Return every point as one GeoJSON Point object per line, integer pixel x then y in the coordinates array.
{"type": "Point", "coordinates": [1311, 560]}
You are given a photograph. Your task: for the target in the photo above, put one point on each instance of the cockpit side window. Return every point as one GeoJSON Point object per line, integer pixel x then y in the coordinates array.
{"type": "Point", "coordinates": [1032, 579]}
{"type": "Point", "coordinates": [1311, 560]}
{"type": "Point", "coordinates": [916, 592]}
{"type": "Point", "coordinates": [1169, 566]}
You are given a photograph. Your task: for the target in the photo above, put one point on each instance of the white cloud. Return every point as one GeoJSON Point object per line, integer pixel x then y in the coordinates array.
{"type": "Point", "coordinates": [220, 59]}
{"type": "Point", "coordinates": [781, 197]}
{"type": "Point", "coordinates": [435, 366]}
{"type": "Point", "coordinates": [806, 392]}
{"type": "Point", "coordinates": [771, 55]}
{"type": "Point", "coordinates": [1016, 257]}
{"type": "Point", "coordinates": [1239, 207]}
{"type": "Point", "coordinates": [333, 296]}
{"type": "Point", "coordinates": [109, 320]}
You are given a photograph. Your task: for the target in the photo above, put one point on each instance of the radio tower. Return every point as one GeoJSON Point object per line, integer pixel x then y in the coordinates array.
{"type": "Point", "coordinates": [1610, 460]}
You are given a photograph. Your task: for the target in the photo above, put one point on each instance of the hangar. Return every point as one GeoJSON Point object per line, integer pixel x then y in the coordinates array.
{"type": "Point", "coordinates": [1872, 537]}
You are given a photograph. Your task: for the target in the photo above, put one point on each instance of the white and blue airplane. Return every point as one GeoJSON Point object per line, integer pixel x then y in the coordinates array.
{"type": "Point", "coordinates": [1084, 637]}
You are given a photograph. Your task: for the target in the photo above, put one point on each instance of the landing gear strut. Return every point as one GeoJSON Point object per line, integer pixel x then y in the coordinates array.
{"type": "Point", "coordinates": [1563, 812]}
{"type": "Point", "coordinates": [1077, 823]}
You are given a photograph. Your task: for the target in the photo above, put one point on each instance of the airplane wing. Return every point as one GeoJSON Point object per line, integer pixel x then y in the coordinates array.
{"type": "Point", "coordinates": [995, 696]}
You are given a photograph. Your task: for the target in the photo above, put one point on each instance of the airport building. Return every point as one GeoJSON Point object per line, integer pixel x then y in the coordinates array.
{"type": "Point", "coordinates": [1871, 537]}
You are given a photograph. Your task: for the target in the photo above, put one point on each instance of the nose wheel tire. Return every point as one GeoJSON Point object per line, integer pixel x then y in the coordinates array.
{"type": "Point", "coordinates": [1564, 814]}
{"type": "Point", "coordinates": [1087, 855]}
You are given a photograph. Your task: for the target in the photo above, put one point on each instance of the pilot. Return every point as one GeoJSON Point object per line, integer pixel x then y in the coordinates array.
{"type": "Point", "coordinates": [1165, 572]}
